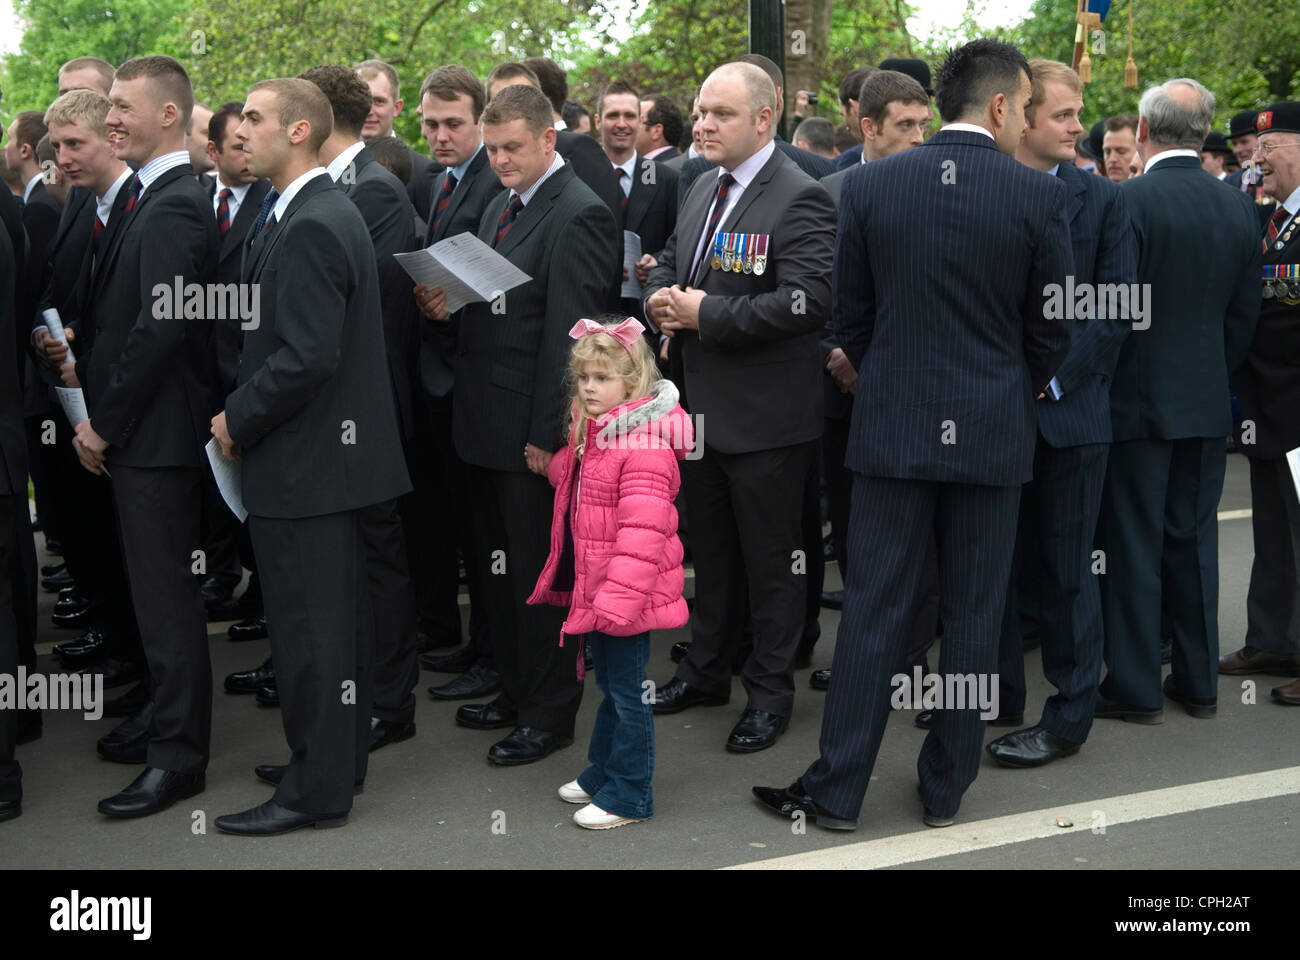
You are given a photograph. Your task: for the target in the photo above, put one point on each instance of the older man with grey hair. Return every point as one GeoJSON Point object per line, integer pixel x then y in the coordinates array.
{"type": "Point", "coordinates": [1194, 313]}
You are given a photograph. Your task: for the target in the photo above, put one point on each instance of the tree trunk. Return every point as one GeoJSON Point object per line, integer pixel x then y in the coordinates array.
{"type": "Point", "coordinates": [808, 35]}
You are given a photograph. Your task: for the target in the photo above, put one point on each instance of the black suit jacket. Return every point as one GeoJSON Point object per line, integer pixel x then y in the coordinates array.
{"type": "Point", "coordinates": [836, 404]}
{"type": "Point", "coordinates": [811, 164]}
{"type": "Point", "coordinates": [651, 210]}
{"type": "Point", "coordinates": [41, 215]}
{"type": "Point", "coordinates": [150, 376]}
{"type": "Point", "coordinates": [227, 334]}
{"type": "Point", "coordinates": [13, 438]}
{"type": "Point", "coordinates": [64, 258]}
{"type": "Point", "coordinates": [90, 280]}
{"type": "Point", "coordinates": [424, 171]}
{"type": "Point", "coordinates": [752, 371]}
{"type": "Point", "coordinates": [1171, 381]}
{"type": "Point", "coordinates": [939, 292]}
{"type": "Point", "coordinates": [589, 163]}
{"type": "Point", "coordinates": [463, 214]}
{"type": "Point", "coordinates": [315, 435]}
{"type": "Point", "coordinates": [510, 366]}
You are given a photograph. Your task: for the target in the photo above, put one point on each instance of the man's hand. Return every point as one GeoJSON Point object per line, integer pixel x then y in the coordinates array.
{"type": "Point", "coordinates": [49, 352]}
{"type": "Point", "coordinates": [801, 104]}
{"type": "Point", "coordinates": [643, 268]}
{"type": "Point", "coordinates": [663, 349]}
{"type": "Point", "coordinates": [537, 459]}
{"type": "Point", "coordinates": [658, 305]}
{"type": "Point", "coordinates": [683, 311]}
{"type": "Point", "coordinates": [841, 371]}
{"type": "Point", "coordinates": [432, 302]}
{"type": "Point", "coordinates": [223, 437]}
{"type": "Point", "coordinates": [90, 447]}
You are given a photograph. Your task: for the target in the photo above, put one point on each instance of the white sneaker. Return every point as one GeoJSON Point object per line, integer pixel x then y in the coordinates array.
{"type": "Point", "coordinates": [593, 818]}
{"type": "Point", "coordinates": [572, 793]}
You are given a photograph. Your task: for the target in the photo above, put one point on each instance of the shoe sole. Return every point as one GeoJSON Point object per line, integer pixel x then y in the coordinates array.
{"type": "Point", "coordinates": [468, 695]}
{"type": "Point", "coordinates": [511, 723]}
{"type": "Point", "coordinates": [584, 800]}
{"type": "Point", "coordinates": [1201, 711]}
{"type": "Point", "coordinates": [1023, 765]}
{"type": "Point", "coordinates": [385, 741]}
{"type": "Point", "coordinates": [1269, 672]}
{"type": "Point", "coordinates": [1287, 701]}
{"type": "Point", "coordinates": [934, 820]}
{"type": "Point", "coordinates": [323, 824]}
{"type": "Point", "coordinates": [519, 763]}
{"type": "Point", "coordinates": [1148, 719]}
{"type": "Point", "coordinates": [607, 826]}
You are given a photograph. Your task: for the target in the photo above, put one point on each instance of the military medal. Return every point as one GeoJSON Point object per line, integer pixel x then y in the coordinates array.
{"type": "Point", "coordinates": [738, 264]}
{"type": "Point", "coordinates": [716, 262]}
{"type": "Point", "coordinates": [1268, 291]}
{"type": "Point", "coordinates": [728, 257]}
{"type": "Point", "coordinates": [760, 258]}
{"type": "Point", "coordinates": [748, 266]}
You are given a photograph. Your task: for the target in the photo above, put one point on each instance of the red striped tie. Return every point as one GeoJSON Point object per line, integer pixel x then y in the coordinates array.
{"type": "Point", "coordinates": [223, 210]}
{"type": "Point", "coordinates": [444, 198]}
{"type": "Point", "coordinates": [1280, 216]}
{"type": "Point", "coordinates": [508, 218]}
{"type": "Point", "coordinates": [719, 205]}
{"type": "Point", "coordinates": [133, 193]}
{"type": "Point", "coordinates": [98, 229]}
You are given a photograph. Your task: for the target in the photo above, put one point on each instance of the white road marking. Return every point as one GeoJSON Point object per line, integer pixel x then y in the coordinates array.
{"type": "Point", "coordinates": [1234, 515]}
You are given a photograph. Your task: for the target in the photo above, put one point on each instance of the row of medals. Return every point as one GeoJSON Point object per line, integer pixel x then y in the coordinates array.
{"type": "Point", "coordinates": [729, 261]}
{"type": "Point", "coordinates": [1287, 290]}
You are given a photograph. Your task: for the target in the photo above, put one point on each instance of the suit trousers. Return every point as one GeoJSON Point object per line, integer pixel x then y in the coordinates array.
{"type": "Point", "coordinates": [392, 603]}
{"type": "Point", "coordinates": [1273, 600]}
{"type": "Point", "coordinates": [746, 517]}
{"type": "Point", "coordinates": [158, 510]}
{"type": "Point", "coordinates": [512, 529]}
{"type": "Point", "coordinates": [11, 774]}
{"type": "Point", "coordinates": [318, 613]}
{"type": "Point", "coordinates": [893, 523]}
{"type": "Point", "coordinates": [839, 487]}
{"type": "Point", "coordinates": [1160, 533]}
{"type": "Point", "coordinates": [1058, 517]}
{"type": "Point", "coordinates": [220, 532]}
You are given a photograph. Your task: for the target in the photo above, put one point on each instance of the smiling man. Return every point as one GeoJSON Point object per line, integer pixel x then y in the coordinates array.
{"type": "Point", "coordinates": [386, 104]}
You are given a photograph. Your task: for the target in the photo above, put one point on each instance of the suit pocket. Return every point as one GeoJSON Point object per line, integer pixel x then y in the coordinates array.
{"type": "Point", "coordinates": [514, 380]}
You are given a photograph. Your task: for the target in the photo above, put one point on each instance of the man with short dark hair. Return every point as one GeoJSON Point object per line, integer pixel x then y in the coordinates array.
{"type": "Point", "coordinates": [816, 135]}
{"type": "Point", "coordinates": [1119, 146]}
{"type": "Point", "coordinates": [576, 117]}
{"type": "Point", "coordinates": [196, 141]}
{"type": "Point", "coordinates": [86, 73]}
{"type": "Point", "coordinates": [661, 128]}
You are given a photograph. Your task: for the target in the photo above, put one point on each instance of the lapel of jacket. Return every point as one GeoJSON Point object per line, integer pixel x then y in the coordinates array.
{"type": "Point", "coordinates": [690, 221]}
{"type": "Point", "coordinates": [305, 193]}
{"type": "Point", "coordinates": [638, 201]}
{"type": "Point", "coordinates": [472, 173]}
{"type": "Point", "coordinates": [161, 183]}
{"type": "Point", "coordinates": [244, 217]}
{"type": "Point", "coordinates": [363, 159]}
{"type": "Point", "coordinates": [115, 228]}
{"type": "Point", "coordinates": [755, 189]}
{"type": "Point", "coordinates": [73, 211]}
{"type": "Point", "coordinates": [535, 210]}
{"type": "Point", "coordinates": [1074, 180]}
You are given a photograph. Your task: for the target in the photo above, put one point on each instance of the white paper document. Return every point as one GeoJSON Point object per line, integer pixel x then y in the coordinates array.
{"type": "Point", "coordinates": [71, 399]}
{"type": "Point", "coordinates": [465, 267]}
{"type": "Point", "coordinates": [631, 254]}
{"type": "Point", "coordinates": [228, 474]}
{"type": "Point", "coordinates": [1293, 461]}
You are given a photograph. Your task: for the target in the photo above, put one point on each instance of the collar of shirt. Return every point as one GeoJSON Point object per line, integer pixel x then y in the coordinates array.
{"type": "Point", "coordinates": [556, 162]}
{"type": "Point", "coordinates": [156, 167]}
{"type": "Point", "coordinates": [658, 150]}
{"type": "Point", "coordinates": [1222, 176]}
{"type": "Point", "coordinates": [31, 185]}
{"type": "Point", "coordinates": [340, 163]}
{"type": "Point", "coordinates": [286, 198]}
{"type": "Point", "coordinates": [237, 194]}
{"type": "Point", "coordinates": [1291, 206]}
{"type": "Point", "coordinates": [748, 168]}
{"type": "Point", "coordinates": [1166, 154]}
{"type": "Point", "coordinates": [459, 171]}
{"type": "Point", "coordinates": [691, 152]}
{"type": "Point", "coordinates": [968, 128]}
{"type": "Point", "coordinates": [561, 125]}
{"type": "Point", "coordinates": [630, 169]}
{"type": "Point", "coordinates": [1055, 171]}
{"type": "Point", "coordinates": [104, 204]}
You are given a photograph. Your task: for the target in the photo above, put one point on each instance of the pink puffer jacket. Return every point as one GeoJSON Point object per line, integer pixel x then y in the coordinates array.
{"type": "Point", "coordinates": [621, 573]}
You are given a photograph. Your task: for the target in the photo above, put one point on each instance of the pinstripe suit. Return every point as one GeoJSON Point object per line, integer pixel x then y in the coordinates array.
{"type": "Point", "coordinates": [1058, 508]}
{"type": "Point", "coordinates": [941, 259]}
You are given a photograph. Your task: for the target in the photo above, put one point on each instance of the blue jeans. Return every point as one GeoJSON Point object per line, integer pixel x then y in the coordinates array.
{"type": "Point", "coordinates": [622, 751]}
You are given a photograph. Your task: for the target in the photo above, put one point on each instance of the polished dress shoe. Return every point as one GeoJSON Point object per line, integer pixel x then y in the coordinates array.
{"type": "Point", "coordinates": [30, 727]}
{"type": "Point", "coordinates": [757, 730]}
{"type": "Point", "coordinates": [1197, 707]}
{"type": "Point", "coordinates": [925, 720]}
{"type": "Point", "coordinates": [116, 673]}
{"type": "Point", "coordinates": [1250, 660]}
{"type": "Point", "coordinates": [152, 791]}
{"type": "Point", "coordinates": [1288, 694]}
{"type": "Point", "coordinates": [57, 581]}
{"type": "Point", "coordinates": [1114, 710]}
{"type": "Point", "coordinates": [88, 646]}
{"type": "Point", "coordinates": [251, 681]}
{"type": "Point", "coordinates": [128, 742]}
{"type": "Point", "coordinates": [270, 818]}
{"type": "Point", "coordinates": [1031, 747]}
{"type": "Point", "coordinates": [525, 745]}
{"type": "Point", "coordinates": [485, 716]}
{"type": "Point", "coordinates": [10, 809]}
{"type": "Point", "coordinates": [71, 616]}
{"type": "Point", "coordinates": [791, 800]}
{"type": "Point", "coordinates": [384, 732]}
{"type": "Point", "coordinates": [129, 702]}
{"type": "Point", "coordinates": [479, 680]}
{"type": "Point", "coordinates": [268, 694]}
{"type": "Point", "coordinates": [833, 599]}
{"type": "Point", "coordinates": [676, 695]}
{"type": "Point", "coordinates": [50, 569]}
{"type": "Point", "coordinates": [273, 773]}
{"type": "Point", "coordinates": [213, 590]}
{"type": "Point", "coordinates": [679, 650]}
{"type": "Point", "coordinates": [426, 642]}
{"type": "Point", "coordinates": [820, 679]}
{"type": "Point", "coordinates": [250, 628]}
{"type": "Point", "coordinates": [457, 662]}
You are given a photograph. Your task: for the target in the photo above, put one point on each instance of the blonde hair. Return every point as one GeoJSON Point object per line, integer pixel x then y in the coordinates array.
{"type": "Point", "coordinates": [636, 368]}
{"type": "Point", "coordinates": [86, 107]}
{"type": "Point", "coordinates": [1042, 72]}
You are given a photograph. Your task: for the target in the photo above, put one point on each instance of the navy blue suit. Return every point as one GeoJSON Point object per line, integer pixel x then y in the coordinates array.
{"type": "Point", "coordinates": [1058, 508]}
{"type": "Point", "coordinates": [941, 260]}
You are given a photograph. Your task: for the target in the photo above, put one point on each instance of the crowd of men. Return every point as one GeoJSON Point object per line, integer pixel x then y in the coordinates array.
{"type": "Point", "coordinates": [1008, 356]}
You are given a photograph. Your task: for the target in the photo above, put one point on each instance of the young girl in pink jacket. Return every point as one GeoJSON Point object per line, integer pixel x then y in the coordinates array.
{"type": "Point", "coordinates": [615, 559]}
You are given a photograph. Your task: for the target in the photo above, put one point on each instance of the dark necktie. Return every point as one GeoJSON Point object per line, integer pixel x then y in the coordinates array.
{"type": "Point", "coordinates": [133, 193]}
{"type": "Point", "coordinates": [444, 198]}
{"type": "Point", "coordinates": [508, 218]}
{"type": "Point", "coordinates": [719, 205]}
{"type": "Point", "coordinates": [98, 228]}
{"type": "Point", "coordinates": [621, 174]}
{"type": "Point", "coordinates": [263, 212]}
{"type": "Point", "coordinates": [223, 210]}
{"type": "Point", "coordinates": [1280, 216]}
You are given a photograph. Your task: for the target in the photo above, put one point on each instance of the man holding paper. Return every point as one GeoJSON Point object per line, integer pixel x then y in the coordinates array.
{"type": "Point", "coordinates": [508, 416]}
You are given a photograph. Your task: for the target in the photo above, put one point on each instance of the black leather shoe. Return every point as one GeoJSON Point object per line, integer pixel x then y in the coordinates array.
{"type": "Point", "coordinates": [250, 628]}
{"type": "Point", "coordinates": [71, 617]}
{"type": "Point", "coordinates": [485, 716]}
{"type": "Point", "coordinates": [213, 590]}
{"type": "Point", "coordinates": [50, 569]}
{"type": "Point", "coordinates": [525, 745]}
{"type": "Point", "coordinates": [30, 726]}
{"type": "Point", "coordinates": [269, 819]}
{"type": "Point", "coordinates": [1112, 710]}
{"type": "Point", "coordinates": [90, 642]}
{"type": "Point", "coordinates": [57, 581]}
{"type": "Point", "coordinates": [53, 547]}
{"type": "Point", "coordinates": [128, 742]}
{"type": "Point", "coordinates": [479, 680]}
{"type": "Point", "coordinates": [116, 673]}
{"type": "Point", "coordinates": [820, 679]}
{"type": "Point", "coordinates": [1197, 707]}
{"type": "Point", "coordinates": [10, 810]}
{"type": "Point", "coordinates": [129, 702]}
{"type": "Point", "coordinates": [925, 720]}
{"type": "Point", "coordinates": [152, 791]}
{"type": "Point", "coordinates": [1031, 747]}
{"type": "Point", "coordinates": [675, 696]}
{"type": "Point", "coordinates": [457, 662]}
{"type": "Point", "coordinates": [833, 599]}
{"type": "Point", "coordinates": [273, 773]}
{"type": "Point", "coordinates": [679, 650]}
{"type": "Point", "coordinates": [268, 695]}
{"type": "Point", "coordinates": [757, 730]}
{"type": "Point", "coordinates": [251, 681]}
{"type": "Point", "coordinates": [791, 800]}
{"type": "Point", "coordinates": [384, 732]}
{"type": "Point", "coordinates": [426, 642]}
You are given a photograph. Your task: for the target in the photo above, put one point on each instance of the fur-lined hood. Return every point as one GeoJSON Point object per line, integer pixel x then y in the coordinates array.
{"type": "Point", "coordinates": [657, 415]}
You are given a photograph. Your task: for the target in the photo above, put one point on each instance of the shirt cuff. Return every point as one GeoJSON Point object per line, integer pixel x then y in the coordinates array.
{"type": "Point", "coordinates": [1054, 389]}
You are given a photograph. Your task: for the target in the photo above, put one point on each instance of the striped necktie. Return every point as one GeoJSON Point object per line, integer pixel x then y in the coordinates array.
{"type": "Point", "coordinates": [263, 212]}
{"type": "Point", "coordinates": [719, 205]}
{"type": "Point", "coordinates": [223, 210]}
{"type": "Point", "coordinates": [444, 198]}
{"type": "Point", "coordinates": [508, 218]}
{"type": "Point", "coordinates": [1275, 224]}
{"type": "Point", "coordinates": [133, 193]}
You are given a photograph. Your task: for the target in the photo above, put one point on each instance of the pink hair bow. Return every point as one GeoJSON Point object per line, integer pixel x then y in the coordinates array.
{"type": "Point", "coordinates": [626, 333]}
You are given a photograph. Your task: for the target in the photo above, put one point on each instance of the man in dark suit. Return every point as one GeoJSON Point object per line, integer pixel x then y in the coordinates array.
{"type": "Point", "coordinates": [1268, 387]}
{"type": "Point", "coordinates": [740, 326]}
{"type": "Point", "coordinates": [943, 320]}
{"type": "Point", "coordinates": [510, 410]}
{"type": "Point", "coordinates": [451, 110]}
{"type": "Point", "coordinates": [319, 443]}
{"type": "Point", "coordinates": [149, 390]}
{"type": "Point", "coordinates": [1170, 413]}
{"type": "Point", "coordinates": [1058, 507]}
{"type": "Point", "coordinates": [386, 104]}
{"type": "Point", "coordinates": [660, 130]}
